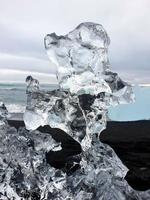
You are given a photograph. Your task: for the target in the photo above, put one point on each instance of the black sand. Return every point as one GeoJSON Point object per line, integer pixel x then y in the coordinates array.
{"type": "Point", "coordinates": [131, 142]}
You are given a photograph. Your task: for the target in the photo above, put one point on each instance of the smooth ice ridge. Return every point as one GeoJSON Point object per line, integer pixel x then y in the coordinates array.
{"type": "Point", "coordinates": [87, 89]}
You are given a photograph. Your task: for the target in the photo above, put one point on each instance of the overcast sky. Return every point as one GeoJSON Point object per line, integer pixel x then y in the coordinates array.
{"type": "Point", "coordinates": [24, 23]}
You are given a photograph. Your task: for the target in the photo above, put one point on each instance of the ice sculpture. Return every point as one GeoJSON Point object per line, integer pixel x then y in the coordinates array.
{"type": "Point", "coordinates": [87, 88]}
{"type": "Point", "coordinates": [79, 107]}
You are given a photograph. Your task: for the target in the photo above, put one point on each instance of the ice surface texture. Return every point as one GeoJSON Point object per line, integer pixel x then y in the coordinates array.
{"type": "Point", "coordinates": [87, 89]}
{"type": "Point", "coordinates": [80, 56]}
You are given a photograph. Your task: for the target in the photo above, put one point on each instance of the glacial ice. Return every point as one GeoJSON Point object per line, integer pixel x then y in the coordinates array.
{"type": "Point", "coordinates": [84, 78]}
{"type": "Point", "coordinates": [3, 113]}
{"type": "Point", "coordinates": [79, 107]}
{"type": "Point", "coordinates": [24, 172]}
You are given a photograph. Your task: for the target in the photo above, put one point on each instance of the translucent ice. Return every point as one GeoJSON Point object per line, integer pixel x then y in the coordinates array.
{"type": "Point", "coordinates": [102, 173]}
{"type": "Point", "coordinates": [88, 88]}
{"type": "Point", "coordinates": [80, 56]}
{"type": "Point", "coordinates": [24, 173]}
{"type": "Point", "coordinates": [3, 113]}
{"type": "Point", "coordinates": [85, 78]}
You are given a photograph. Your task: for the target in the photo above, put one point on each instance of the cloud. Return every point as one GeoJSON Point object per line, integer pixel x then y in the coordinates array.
{"type": "Point", "coordinates": [26, 63]}
{"type": "Point", "coordinates": [11, 75]}
{"type": "Point", "coordinates": [25, 23]}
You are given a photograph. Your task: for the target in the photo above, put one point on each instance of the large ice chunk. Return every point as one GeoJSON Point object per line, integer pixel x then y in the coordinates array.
{"type": "Point", "coordinates": [84, 77]}
{"type": "Point", "coordinates": [82, 60]}
{"type": "Point", "coordinates": [24, 173]}
{"type": "Point", "coordinates": [80, 56]}
{"type": "Point", "coordinates": [88, 88]}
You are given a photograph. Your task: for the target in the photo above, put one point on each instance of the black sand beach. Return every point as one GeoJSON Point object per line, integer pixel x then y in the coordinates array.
{"type": "Point", "coordinates": [130, 141]}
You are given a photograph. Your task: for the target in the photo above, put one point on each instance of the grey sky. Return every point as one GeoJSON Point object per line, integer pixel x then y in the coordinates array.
{"type": "Point", "coordinates": [24, 23]}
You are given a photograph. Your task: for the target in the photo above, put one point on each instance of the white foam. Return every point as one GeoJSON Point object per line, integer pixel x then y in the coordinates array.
{"type": "Point", "coordinates": [15, 108]}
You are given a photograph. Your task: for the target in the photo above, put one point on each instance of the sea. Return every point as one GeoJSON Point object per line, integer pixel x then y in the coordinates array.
{"type": "Point", "coordinates": [14, 97]}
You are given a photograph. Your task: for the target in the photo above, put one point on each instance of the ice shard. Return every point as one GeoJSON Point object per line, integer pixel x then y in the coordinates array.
{"type": "Point", "coordinates": [24, 172]}
{"type": "Point", "coordinates": [3, 113]}
{"type": "Point", "coordinates": [87, 88]}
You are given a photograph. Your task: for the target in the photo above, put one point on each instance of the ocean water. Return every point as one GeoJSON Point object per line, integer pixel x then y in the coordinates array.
{"type": "Point", "coordinates": [14, 97]}
{"type": "Point", "coordinates": [139, 110]}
